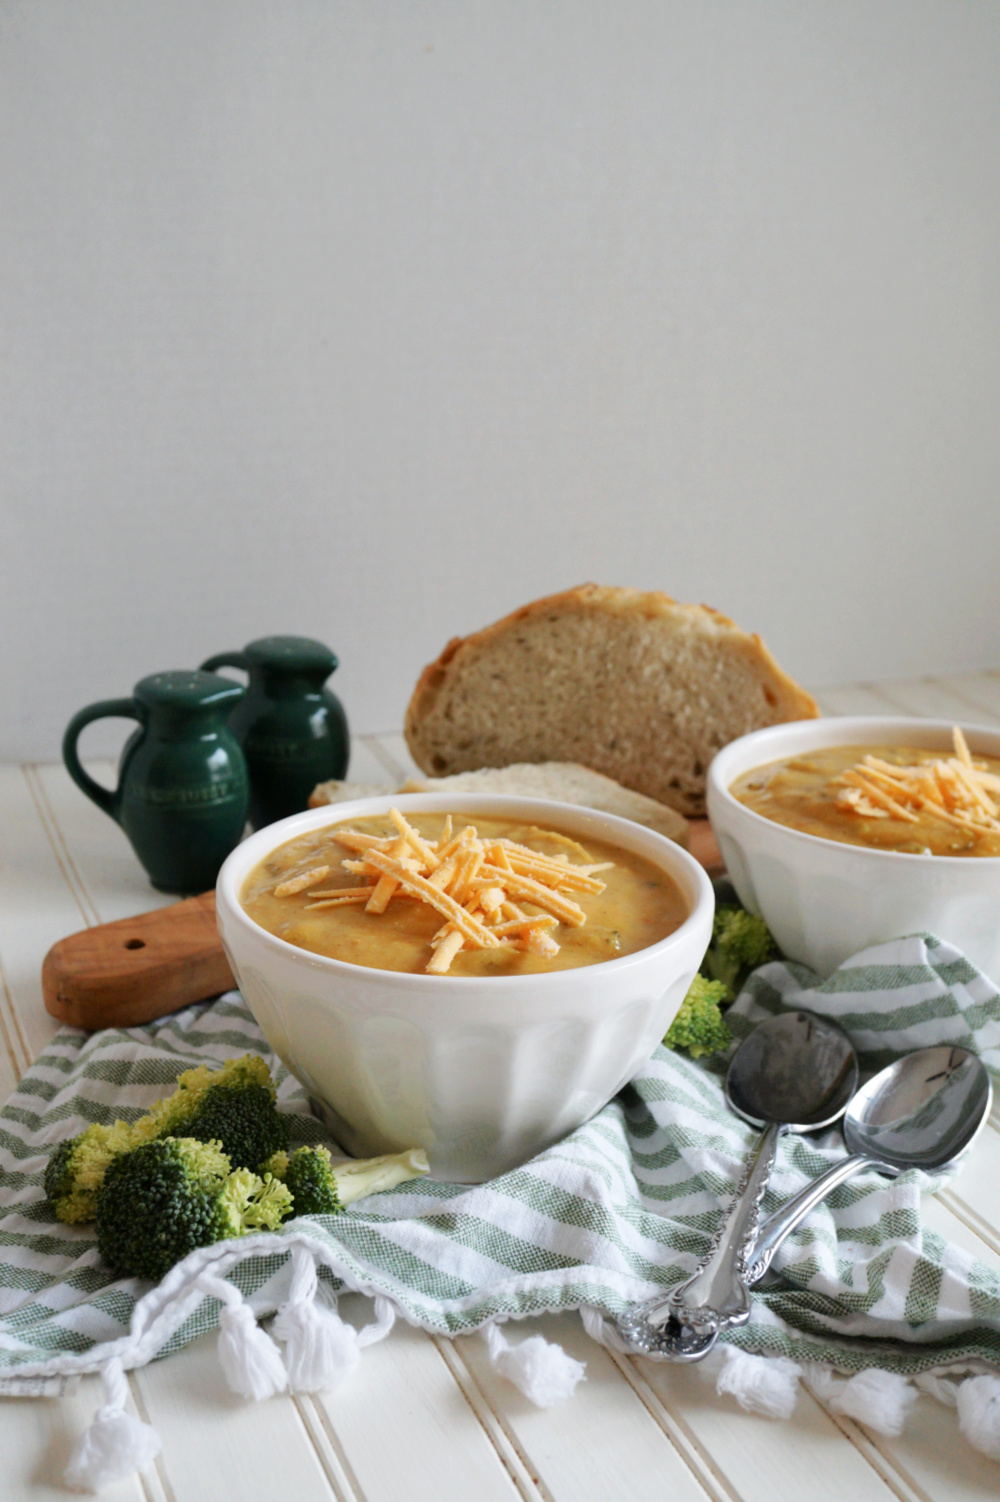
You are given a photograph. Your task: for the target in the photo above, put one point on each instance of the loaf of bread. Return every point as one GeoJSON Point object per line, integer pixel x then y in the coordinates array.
{"type": "Point", "coordinates": [566, 782]}
{"type": "Point", "coordinates": [628, 683]}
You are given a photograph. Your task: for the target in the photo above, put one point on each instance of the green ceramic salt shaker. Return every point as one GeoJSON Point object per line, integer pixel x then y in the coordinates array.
{"type": "Point", "coordinates": [183, 792]}
{"type": "Point", "coordinates": [293, 730]}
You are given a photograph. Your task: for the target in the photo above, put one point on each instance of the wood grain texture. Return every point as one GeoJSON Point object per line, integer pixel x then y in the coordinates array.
{"type": "Point", "coordinates": [701, 844]}
{"type": "Point", "coordinates": [132, 971]}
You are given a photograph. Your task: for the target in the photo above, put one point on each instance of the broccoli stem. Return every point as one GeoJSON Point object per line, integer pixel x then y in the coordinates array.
{"type": "Point", "coordinates": [358, 1178]}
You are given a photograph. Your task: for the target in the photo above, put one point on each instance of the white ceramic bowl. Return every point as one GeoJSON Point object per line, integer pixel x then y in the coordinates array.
{"type": "Point", "coordinates": [483, 1072]}
{"type": "Point", "coordinates": [824, 900]}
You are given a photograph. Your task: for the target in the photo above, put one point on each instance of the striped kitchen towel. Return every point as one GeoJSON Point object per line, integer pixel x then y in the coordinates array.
{"type": "Point", "coordinates": [625, 1206]}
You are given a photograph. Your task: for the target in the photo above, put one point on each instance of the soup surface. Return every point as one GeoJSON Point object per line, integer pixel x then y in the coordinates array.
{"type": "Point", "coordinates": [941, 806]}
{"type": "Point", "coordinates": [640, 903]}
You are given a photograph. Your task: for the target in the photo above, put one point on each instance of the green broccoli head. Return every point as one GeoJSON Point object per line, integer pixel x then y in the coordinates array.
{"type": "Point", "coordinates": [166, 1197]}
{"type": "Point", "coordinates": [312, 1182]}
{"type": "Point", "coordinates": [244, 1118]}
{"type": "Point", "coordinates": [740, 942]}
{"type": "Point", "coordinates": [234, 1105]}
{"type": "Point", "coordinates": [76, 1169]}
{"type": "Point", "coordinates": [320, 1187]}
{"type": "Point", "coordinates": [699, 1025]}
{"type": "Point", "coordinates": [194, 1084]}
{"type": "Point", "coordinates": [747, 938]}
{"type": "Point", "coordinates": [255, 1203]}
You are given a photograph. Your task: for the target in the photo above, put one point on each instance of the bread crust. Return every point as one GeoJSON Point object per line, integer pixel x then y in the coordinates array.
{"type": "Point", "coordinates": [730, 684]}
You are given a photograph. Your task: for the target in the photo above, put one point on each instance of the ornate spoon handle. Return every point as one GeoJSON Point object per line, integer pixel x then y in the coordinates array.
{"type": "Point", "coordinates": [717, 1295]}
{"type": "Point", "coordinates": [779, 1225]}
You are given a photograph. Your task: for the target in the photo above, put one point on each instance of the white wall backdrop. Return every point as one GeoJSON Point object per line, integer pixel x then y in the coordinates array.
{"type": "Point", "coordinates": [372, 319]}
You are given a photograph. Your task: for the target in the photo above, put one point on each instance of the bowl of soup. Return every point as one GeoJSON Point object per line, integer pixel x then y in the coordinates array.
{"type": "Point", "coordinates": [512, 1047]}
{"type": "Point", "coordinates": [846, 832]}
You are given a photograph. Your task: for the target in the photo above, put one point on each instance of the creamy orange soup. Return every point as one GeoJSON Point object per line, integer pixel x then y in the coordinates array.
{"type": "Point", "coordinates": [640, 904]}
{"type": "Point", "coordinates": [806, 793]}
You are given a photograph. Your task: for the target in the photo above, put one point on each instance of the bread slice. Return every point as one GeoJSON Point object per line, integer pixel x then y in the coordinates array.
{"type": "Point", "coordinates": [344, 792]}
{"type": "Point", "coordinates": [565, 781]}
{"type": "Point", "coordinates": [628, 683]}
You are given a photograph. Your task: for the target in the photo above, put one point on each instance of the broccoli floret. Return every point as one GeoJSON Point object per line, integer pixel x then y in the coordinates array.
{"type": "Point", "coordinates": [166, 1197]}
{"type": "Point", "coordinates": [740, 942]}
{"type": "Point", "coordinates": [320, 1187]}
{"type": "Point", "coordinates": [310, 1177]}
{"type": "Point", "coordinates": [699, 1025]}
{"type": "Point", "coordinates": [194, 1084]}
{"type": "Point", "coordinates": [76, 1169]}
{"type": "Point", "coordinates": [234, 1105]}
{"type": "Point", "coordinates": [243, 1118]}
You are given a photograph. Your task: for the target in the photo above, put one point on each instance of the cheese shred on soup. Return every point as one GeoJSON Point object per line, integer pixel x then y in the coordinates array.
{"type": "Point", "coordinates": [900, 798]}
{"type": "Point", "coordinates": [457, 897]}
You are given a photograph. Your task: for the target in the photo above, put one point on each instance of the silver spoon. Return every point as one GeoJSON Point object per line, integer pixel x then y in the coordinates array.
{"type": "Point", "coordinates": [924, 1111]}
{"type": "Point", "coordinates": [794, 1071]}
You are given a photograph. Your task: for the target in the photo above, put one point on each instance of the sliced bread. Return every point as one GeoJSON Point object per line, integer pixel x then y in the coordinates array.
{"type": "Point", "coordinates": [344, 792]}
{"type": "Point", "coordinates": [566, 782]}
{"type": "Point", "coordinates": [630, 684]}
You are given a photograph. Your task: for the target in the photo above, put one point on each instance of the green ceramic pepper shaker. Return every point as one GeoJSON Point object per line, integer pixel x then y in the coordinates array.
{"type": "Point", "coordinates": [293, 730]}
{"type": "Point", "coordinates": [183, 792]}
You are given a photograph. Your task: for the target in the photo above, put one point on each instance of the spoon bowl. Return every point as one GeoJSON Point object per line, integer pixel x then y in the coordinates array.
{"type": "Point", "coordinates": [796, 1070]}
{"type": "Point", "coordinates": [923, 1111]}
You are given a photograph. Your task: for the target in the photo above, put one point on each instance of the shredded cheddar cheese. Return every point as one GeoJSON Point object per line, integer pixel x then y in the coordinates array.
{"type": "Point", "coordinates": [956, 789]}
{"type": "Point", "coordinates": [299, 883]}
{"type": "Point", "coordinates": [474, 884]}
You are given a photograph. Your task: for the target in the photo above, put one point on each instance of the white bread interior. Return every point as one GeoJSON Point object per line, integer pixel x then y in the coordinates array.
{"type": "Point", "coordinates": [628, 683]}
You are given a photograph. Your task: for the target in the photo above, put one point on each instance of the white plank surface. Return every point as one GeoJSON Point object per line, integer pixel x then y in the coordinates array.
{"type": "Point", "coordinates": [981, 691]}
{"type": "Point", "coordinates": [932, 699]}
{"type": "Point", "coordinates": [38, 905]}
{"type": "Point", "coordinates": [855, 698]}
{"type": "Point", "coordinates": [217, 1446]}
{"type": "Point", "coordinates": [95, 850]}
{"type": "Point", "coordinates": [394, 752]}
{"type": "Point", "coordinates": [761, 1460]}
{"type": "Point", "coordinates": [931, 1460]}
{"type": "Point", "coordinates": [604, 1446]}
{"type": "Point", "coordinates": [405, 1386]}
{"type": "Point", "coordinates": [367, 766]}
{"type": "Point", "coordinates": [36, 1438]}
{"type": "Point", "coordinates": [425, 1418]}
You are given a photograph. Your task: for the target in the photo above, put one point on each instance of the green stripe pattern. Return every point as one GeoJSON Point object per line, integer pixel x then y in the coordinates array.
{"type": "Point", "coordinates": [626, 1205]}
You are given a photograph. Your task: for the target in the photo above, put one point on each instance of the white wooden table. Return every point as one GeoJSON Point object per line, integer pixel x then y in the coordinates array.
{"type": "Point", "coordinates": [426, 1418]}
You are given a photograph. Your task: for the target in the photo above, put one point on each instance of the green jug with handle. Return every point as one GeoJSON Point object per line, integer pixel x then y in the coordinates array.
{"type": "Point", "coordinates": [292, 729]}
{"type": "Point", "coordinates": [183, 792]}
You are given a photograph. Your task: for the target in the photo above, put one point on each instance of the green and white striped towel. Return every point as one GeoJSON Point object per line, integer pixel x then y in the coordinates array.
{"type": "Point", "coordinates": [623, 1207]}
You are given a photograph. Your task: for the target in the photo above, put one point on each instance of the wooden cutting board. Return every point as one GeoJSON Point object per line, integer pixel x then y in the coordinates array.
{"type": "Point", "coordinates": [130, 972]}
{"type": "Point", "coordinates": [133, 971]}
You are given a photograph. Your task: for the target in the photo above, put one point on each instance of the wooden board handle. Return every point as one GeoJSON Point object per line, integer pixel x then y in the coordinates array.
{"type": "Point", "coordinates": [130, 972]}
{"type": "Point", "coordinates": [702, 845]}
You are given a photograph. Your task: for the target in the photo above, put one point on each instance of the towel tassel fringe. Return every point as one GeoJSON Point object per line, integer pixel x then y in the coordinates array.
{"type": "Point", "coordinates": [978, 1402]}
{"type": "Point", "coordinates": [768, 1385]}
{"type": "Point", "coordinates": [321, 1351]}
{"type": "Point", "coordinates": [251, 1362]}
{"type": "Point", "coordinates": [537, 1367]}
{"type": "Point", "coordinates": [116, 1445]}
